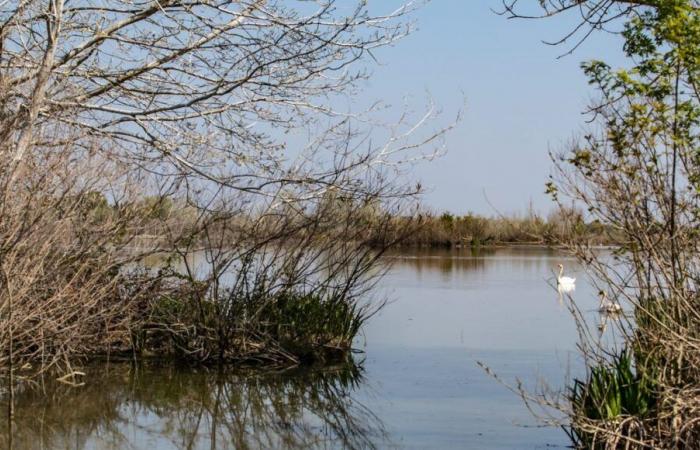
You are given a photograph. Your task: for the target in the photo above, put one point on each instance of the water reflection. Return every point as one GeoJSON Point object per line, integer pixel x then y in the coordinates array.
{"type": "Point", "coordinates": [564, 291]}
{"type": "Point", "coordinates": [123, 407]}
{"type": "Point", "coordinates": [606, 317]}
{"type": "Point", "coordinates": [496, 298]}
{"type": "Point", "coordinates": [448, 261]}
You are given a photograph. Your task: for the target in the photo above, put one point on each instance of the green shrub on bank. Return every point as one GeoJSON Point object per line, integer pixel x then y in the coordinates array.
{"type": "Point", "coordinates": [310, 325]}
{"type": "Point", "coordinates": [283, 327]}
{"type": "Point", "coordinates": [612, 391]}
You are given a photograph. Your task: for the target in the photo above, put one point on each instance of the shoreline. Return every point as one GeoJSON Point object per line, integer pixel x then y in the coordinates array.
{"type": "Point", "coordinates": [496, 245]}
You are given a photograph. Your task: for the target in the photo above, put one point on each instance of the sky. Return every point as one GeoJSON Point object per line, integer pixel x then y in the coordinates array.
{"type": "Point", "coordinates": [521, 100]}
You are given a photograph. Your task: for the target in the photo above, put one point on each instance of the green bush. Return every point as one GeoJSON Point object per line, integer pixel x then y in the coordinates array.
{"type": "Point", "coordinates": [310, 325]}
{"type": "Point", "coordinates": [260, 326]}
{"type": "Point", "coordinates": [612, 390]}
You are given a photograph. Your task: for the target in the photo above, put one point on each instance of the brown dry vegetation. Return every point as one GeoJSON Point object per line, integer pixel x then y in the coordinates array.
{"type": "Point", "coordinates": [284, 287]}
{"type": "Point", "coordinates": [448, 230]}
{"type": "Point", "coordinates": [154, 131]}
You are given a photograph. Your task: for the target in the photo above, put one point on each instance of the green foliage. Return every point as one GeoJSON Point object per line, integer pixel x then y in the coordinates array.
{"type": "Point", "coordinates": [94, 207]}
{"type": "Point", "coordinates": [307, 323]}
{"type": "Point", "coordinates": [613, 390]}
{"type": "Point", "coordinates": [664, 44]}
{"type": "Point", "coordinates": [157, 208]}
{"type": "Point", "coordinates": [189, 324]}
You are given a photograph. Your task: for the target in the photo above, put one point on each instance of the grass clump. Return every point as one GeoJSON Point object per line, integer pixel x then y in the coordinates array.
{"type": "Point", "coordinates": [286, 327]}
{"type": "Point", "coordinates": [614, 392]}
{"type": "Point", "coordinates": [311, 326]}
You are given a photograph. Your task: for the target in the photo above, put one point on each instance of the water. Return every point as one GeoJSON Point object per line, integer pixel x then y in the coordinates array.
{"type": "Point", "coordinates": [417, 385]}
{"type": "Point", "coordinates": [452, 309]}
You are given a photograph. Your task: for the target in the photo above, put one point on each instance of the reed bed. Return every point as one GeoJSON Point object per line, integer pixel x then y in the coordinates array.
{"type": "Point", "coordinates": [449, 230]}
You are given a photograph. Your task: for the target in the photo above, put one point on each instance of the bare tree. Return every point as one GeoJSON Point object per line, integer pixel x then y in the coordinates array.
{"type": "Point", "coordinates": [194, 91]}
{"type": "Point", "coordinates": [138, 128]}
{"type": "Point", "coordinates": [593, 15]}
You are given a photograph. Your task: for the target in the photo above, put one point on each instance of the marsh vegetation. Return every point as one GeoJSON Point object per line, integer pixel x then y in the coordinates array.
{"type": "Point", "coordinates": [636, 172]}
{"type": "Point", "coordinates": [470, 230]}
{"type": "Point", "coordinates": [136, 131]}
{"type": "Point", "coordinates": [415, 380]}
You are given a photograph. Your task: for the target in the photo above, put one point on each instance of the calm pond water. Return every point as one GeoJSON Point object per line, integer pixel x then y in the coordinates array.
{"type": "Point", "coordinates": [417, 385]}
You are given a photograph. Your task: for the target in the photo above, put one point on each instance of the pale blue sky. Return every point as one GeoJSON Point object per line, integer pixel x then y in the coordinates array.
{"type": "Point", "coordinates": [521, 100]}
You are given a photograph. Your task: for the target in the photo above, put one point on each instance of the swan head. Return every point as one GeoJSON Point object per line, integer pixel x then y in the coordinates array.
{"type": "Point", "coordinates": [561, 266]}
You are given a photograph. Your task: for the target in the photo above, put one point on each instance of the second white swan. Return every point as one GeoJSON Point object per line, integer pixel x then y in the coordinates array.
{"type": "Point", "coordinates": [608, 306]}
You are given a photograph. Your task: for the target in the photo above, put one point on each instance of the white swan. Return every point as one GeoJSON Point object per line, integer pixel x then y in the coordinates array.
{"type": "Point", "coordinates": [608, 306]}
{"type": "Point", "coordinates": [565, 283]}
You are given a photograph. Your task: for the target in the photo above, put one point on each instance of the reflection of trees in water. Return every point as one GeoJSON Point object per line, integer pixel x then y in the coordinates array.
{"type": "Point", "coordinates": [122, 407]}
{"type": "Point", "coordinates": [443, 261]}
{"type": "Point", "coordinates": [448, 261]}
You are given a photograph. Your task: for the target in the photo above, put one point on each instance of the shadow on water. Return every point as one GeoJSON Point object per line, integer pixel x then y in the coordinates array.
{"type": "Point", "coordinates": [124, 407]}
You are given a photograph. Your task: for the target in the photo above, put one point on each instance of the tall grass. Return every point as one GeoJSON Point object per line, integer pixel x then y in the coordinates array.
{"type": "Point", "coordinates": [616, 392]}
{"type": "Point", "coordinates": [286, 327]}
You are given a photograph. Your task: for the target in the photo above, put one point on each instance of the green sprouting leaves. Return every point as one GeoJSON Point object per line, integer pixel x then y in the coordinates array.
{"type": "Point", "coordinates": [581, 158]}
{"type": "Point", "coordinates": [614, 389]}
{"type": "Point", "coordinates": [551, 190]}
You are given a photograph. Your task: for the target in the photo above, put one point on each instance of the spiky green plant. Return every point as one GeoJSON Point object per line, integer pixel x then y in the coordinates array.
{"type": "Point", "coordinates": [612, 390]}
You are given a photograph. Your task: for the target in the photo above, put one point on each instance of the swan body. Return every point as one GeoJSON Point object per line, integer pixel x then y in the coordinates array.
{"type": "Point", "coordinates": [565, 283]}
{"type": "Point", "coordinates": [608, 306]}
